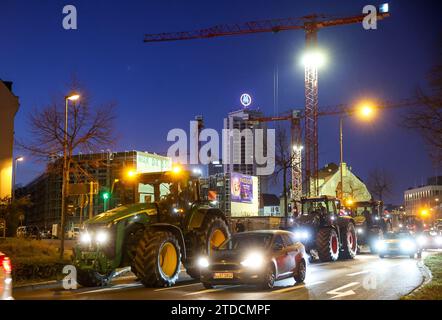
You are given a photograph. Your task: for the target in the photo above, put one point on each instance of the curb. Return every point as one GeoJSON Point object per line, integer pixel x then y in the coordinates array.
{"type": "Point", "coordinates": [427, 276]}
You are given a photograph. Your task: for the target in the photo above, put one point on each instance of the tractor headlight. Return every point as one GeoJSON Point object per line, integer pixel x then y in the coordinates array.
{"type": "Point", "coordinates": [439, 240]}
{"type": "Point", "coordinates": [203, 262]}
{"type": "Point", "coordinates": [85, 238]}
{"type": "Point", "coordinates": [102, 237]}
{"type": "Point", "coordinates": [301, 235]}
{"type": "Point", "coordinates": [360, 230]}
{"type": "Point", "coordinates": [253, 260]}
{"type": "Point", "coordinates": [408, 245]}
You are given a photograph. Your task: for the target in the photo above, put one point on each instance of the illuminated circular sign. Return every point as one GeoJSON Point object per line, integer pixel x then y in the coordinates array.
{"type": "Point", "coordinates": [246, 100]}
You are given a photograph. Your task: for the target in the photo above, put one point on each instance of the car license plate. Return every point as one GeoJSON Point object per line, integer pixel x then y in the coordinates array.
{"type": "Point", "coordinates": [223, 275]}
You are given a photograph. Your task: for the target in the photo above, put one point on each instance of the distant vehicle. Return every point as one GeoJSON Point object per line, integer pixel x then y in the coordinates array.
{"type": "Point", "coordinates": [28, 232]}
{"type": "Point", "coordinates": [370, 223]}
{"type": "Point", "coordinates": [73, 233]}
{"type": "Point", "coordinates": [398, 244]}
{"type": "Point", "coordinates": [255, 257]}
{"type": "Point", "coordinates": [430, 239]}
{"type": "Point", "coordinates": [5, 278]}
{"type": "Point", "coordinates": [326, 233]}
{"type": "Point", "coordinates": [46, 234]}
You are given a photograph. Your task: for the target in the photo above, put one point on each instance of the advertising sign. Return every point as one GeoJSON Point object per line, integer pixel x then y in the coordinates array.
{"type": "Point", "coordinates": [241, 188]}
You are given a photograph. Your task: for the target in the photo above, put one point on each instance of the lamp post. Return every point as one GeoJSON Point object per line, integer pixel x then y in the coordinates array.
{"type": "Point", "coordinates": [65, 179]}
{"type": "Point", "coordinates": [16, 161]}
{"type": "Point", "coordinates": [365, 111]}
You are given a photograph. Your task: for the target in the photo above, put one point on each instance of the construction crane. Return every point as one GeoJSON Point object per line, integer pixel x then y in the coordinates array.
{"type": "Point", "coordinates": [295, 116]}
{"type": "Point", "coordinates": [311, 25]}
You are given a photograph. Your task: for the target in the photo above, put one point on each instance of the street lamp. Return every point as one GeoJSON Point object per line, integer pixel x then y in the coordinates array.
{"type": "Point", "coordinates": [16, 161]}
{"type": "Point", "coordinates": [365, 110]}
{"type": "Point", "coordinates": [65, 180]}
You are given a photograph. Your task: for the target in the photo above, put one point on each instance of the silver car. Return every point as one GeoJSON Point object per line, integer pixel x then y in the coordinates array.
{"type": "Point", "coordinates": [5, 278]}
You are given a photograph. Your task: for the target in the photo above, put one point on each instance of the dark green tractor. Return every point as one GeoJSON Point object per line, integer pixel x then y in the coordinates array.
{"type": "Point", "coordinates": [370, 223]}
{"type": "Point", "coordinates": [173, 226]}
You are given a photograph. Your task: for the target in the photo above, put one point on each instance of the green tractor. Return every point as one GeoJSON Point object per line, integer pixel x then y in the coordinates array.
{"type": "Point", "coordinates": [173, 226]}
{"type": "Point", "coordinates": [370, 223]}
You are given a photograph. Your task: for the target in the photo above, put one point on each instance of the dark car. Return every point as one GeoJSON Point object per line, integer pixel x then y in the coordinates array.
{"type": "Point", "coordinates": [398, 244]}
{"type": "Point", "coordinates": [255, 257]}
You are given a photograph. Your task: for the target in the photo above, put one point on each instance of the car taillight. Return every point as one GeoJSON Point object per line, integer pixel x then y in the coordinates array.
{"type": "Point", "coordinates": [6, 264]}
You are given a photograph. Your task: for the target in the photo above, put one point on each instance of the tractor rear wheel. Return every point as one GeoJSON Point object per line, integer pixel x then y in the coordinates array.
{"type": "Point", "coordinates": [212, 234]}
{"type": "Point", "coordinates": [158, 259]}
{"type": "Point", "coordinates": [349, 241]}
{"type": "Point", "coordinates": [327, 244]}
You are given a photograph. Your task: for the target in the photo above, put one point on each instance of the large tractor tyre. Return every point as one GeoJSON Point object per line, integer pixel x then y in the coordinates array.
{"type": "Point", "coordinates": [349, 242]}
{"type": "Point", "coordinates": [213, 233]}
{"type": "Point", "coordinates": [158, 259]}
{"type": "Point", "coordinates": [91, 278]}
{"type": "Point", "coordinates": [327, 244]}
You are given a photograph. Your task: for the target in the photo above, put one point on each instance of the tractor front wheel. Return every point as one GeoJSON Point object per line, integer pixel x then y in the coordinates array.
{"type": "Point", "coordinates": [158, 259]}
{"type": "Point", "coordinates": [210, 236]}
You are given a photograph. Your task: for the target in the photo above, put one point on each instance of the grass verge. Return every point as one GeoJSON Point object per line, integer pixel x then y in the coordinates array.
{"type": "Point", "coordinates": [34, 260]}
{"type": "Point", "coordinates": [433, 289]}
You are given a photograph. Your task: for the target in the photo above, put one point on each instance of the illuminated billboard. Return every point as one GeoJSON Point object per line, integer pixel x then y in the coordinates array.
{"type": "Point", "coordinates": [244, 199]}
{"type": "Point", "coordinates": [241, 188]}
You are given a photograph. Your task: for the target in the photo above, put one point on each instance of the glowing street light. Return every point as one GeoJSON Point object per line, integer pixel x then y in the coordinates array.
{"type": "Point", "coordinates": [176, 169]}
{"type": "Point", "coordinates": [131, 173]}
{"type": "Point", "coordinates": [313, 59]}
{"type": "Point", "coordinates": [73, 97]}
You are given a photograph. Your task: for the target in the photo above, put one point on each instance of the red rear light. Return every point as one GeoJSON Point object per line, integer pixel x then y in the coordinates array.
{"type": "Point", "coordinates": [6, 264]}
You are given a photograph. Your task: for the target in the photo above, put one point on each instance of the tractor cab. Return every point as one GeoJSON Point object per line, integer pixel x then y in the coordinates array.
{"type": "Point", "coordinates": [324, 208]}
{"type": "Point", "coordinates": [366, 212]}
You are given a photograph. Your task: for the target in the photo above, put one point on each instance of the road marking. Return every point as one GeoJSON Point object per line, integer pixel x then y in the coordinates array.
{"type": "Point", "coordinates": [207, 291]}
{"type": "Point", "coordinates": [296, 287]}
{"type": "Point", "coordinates": [338, 294]}
{"type": "Point", "coordinates": [177, 287]}
{"type": "Point", "coordinates": [357, 273]}
{"type": "Point", "coordinates": [117, 287]}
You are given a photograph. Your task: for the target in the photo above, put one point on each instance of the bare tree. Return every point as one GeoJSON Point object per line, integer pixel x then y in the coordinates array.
{"type": "Point", "coordinates": [284, 161]}
{"type": "Point", "coordinates": [89, 129]}
{"type": "Point", "coordinates": [380, 183]}
{"type": "Point", "coordinates": [426, 118]}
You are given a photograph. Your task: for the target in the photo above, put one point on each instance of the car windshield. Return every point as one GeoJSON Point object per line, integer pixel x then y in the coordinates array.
{"type": "Point", "coordinates": [391, 235]}
{"type": "Point", "coordinates": [246, 241]}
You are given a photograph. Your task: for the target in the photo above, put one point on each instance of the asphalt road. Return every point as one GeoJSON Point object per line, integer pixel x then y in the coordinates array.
{"type": "Point", "coordinates": [367, 277]}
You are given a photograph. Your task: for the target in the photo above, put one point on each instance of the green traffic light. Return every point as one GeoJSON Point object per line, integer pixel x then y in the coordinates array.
{"type": "Point", "coordinates": [106, 195]}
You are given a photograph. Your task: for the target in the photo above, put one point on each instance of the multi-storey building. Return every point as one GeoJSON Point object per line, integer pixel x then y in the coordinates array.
{"type": "Point", "coordinates": [425, 199]}
{"type": "Point", "coordinates": [103, 169]}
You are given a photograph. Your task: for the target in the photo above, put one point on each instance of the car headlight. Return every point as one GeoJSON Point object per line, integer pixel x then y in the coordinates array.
{"type": "Point", "coordinates": [360, 230]}
{"type": "Point", "coordinates": [439, 240]}
{"type": "Point", "coordinates": [380, 245]}
{"type": "Point", "coordinates": [421, 240]}
{"type": "Point", "coordinates": [253, 260]}
{"type": "Point", "coordinates": [102, 237]}
{"type": "Point", "coordinates": [400, 225]}
{"type": "Point", "coordinates": [203, 262]}
{"type": "Point", "coordinates": [85, 238]}
{"type": "Point", "coordinates": [407, 245]}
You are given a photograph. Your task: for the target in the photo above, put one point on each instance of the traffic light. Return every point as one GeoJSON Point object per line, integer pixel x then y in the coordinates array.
{"type": "Point", "coordinates": [105, 195]}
